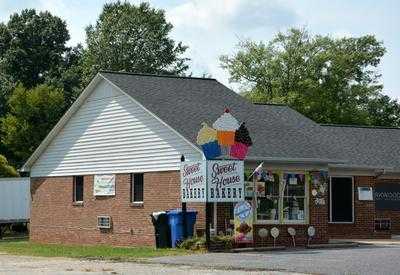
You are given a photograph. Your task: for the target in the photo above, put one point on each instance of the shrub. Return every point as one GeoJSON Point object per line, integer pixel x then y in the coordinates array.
{"type": "Point", "coordinates": [199, 243]}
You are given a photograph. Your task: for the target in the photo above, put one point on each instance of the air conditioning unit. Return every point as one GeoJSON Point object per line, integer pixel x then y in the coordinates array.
{"type": "Point", "coordinates": [103, 222]}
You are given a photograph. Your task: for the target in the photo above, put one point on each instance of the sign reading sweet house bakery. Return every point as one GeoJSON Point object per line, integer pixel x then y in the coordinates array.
{"type": "Point", "coordinates": [225, 180]}
{"type": "Point", "coordinates": [193, 181]}
{"type": "Point", "coordinates": [212, 181]}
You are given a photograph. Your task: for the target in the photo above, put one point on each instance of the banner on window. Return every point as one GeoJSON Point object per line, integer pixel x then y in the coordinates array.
{"type": "Point", "coordinates": [104, 185]}
{"type": "Point", "coordinates": [243, 219]}
{"type": "Point", "coordinates": [193, 181]}
{"type": "Point", "coordinates": [225, 180]}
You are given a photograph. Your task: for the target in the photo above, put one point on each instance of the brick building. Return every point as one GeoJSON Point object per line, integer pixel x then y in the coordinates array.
{"type": "Point", "coordinates": [136, 128]}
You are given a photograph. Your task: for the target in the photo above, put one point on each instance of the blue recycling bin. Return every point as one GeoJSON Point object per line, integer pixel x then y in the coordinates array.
{"type": "Point", "coordinates": [175, 221]}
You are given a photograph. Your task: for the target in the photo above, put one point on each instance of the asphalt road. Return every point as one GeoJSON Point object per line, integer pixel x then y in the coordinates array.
{"type": "Point", "coordinates": [366, 259]}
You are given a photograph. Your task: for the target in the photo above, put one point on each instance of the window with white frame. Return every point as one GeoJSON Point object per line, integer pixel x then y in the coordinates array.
{"type": "Point", "coordinates": [282, 198]}
{"type": "Point", "coordinates": [267, 197]}
{"type": "Point", "coordinates": [294, 197]}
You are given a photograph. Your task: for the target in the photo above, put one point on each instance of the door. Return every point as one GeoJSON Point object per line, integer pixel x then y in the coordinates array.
{"type": "Point", "coordinates": [341, 200]}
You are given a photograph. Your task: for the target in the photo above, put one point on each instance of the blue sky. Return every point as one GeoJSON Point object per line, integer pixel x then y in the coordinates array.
{"type": "Point", "coordinates": [213, 27]}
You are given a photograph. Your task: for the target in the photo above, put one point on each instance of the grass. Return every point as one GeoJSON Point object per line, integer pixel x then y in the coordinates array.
{"type": "Point", "coordinates": [103, 252]}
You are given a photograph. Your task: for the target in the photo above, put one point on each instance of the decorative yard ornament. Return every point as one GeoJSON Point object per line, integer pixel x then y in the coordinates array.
{"type": "Point", "coordinates": [292, 232]}
{"type": "Point", "coordinates": [225, 139]}
{"type": "Point", "coordinates": [263, 233]}
{"type": "Point", "coordinates": [311, 233]}
{"type": "Point", "coordinates": [274, 234]}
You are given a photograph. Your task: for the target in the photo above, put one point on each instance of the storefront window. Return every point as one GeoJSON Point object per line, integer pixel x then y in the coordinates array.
{"type": "Point", "coordinates": [267, 190]}
{"type": "Point", "coordinates": [279, 197]}
{"type": "Point", "coordinates": [294, 197]}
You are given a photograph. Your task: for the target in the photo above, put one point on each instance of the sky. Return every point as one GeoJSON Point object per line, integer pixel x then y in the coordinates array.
{"type": "Point", "coordinates": [214, 27]}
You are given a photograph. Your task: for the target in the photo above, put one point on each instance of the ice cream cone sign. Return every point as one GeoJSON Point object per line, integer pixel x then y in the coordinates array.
{"type": "Point", "coordinates": [225, 132]}
{"type": "Point", "coordinates": [226, 126]}
{"type": "Point", "coordinates": [207, 139]}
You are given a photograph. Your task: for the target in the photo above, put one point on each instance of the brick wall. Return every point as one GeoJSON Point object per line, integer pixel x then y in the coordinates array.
{"type": "Point", "coordinates": [55, 219]}
{"type": "Point", "coordinates": [364, 216]}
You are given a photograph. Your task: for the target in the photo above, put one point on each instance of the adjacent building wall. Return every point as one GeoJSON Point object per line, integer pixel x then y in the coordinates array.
{"type": "Point", "coordinates": [55, 218]}
{"type": "Point", "coordinates": [364, 216]}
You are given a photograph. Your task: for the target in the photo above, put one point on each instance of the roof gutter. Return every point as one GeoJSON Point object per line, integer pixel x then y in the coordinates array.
{"type": "Point", "coordinates": [295, 160]}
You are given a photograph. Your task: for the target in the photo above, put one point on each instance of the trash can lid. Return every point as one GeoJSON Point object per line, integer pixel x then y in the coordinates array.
{"type": "Point", "coordinates": [156, 214]}
{"type": "Point", "coordinates": [178, 211]}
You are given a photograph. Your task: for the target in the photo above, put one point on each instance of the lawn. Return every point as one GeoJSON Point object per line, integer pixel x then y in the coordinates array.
{"type": "Point", "coordinates": [24, 247]}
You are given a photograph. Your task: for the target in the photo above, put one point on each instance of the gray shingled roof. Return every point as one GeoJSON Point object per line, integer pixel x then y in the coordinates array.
{"type": "Point", "coordinates": [184, 102]}
{"type": "Point", "coordinates": [367, 146]}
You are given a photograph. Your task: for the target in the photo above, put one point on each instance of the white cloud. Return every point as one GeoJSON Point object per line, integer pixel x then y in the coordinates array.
{"type": "Point", "coordinates": [212, 28]}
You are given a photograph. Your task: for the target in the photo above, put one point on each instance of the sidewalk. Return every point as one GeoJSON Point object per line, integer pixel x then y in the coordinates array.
{"type": "Point", "coordinates": [393, 241]}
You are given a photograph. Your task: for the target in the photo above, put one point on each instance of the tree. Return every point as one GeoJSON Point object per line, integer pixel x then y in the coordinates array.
{"type": "Point", "coordinates": [33, 112]}
{"type": "Point", "coordinates": [32, 46]}
{"type": "Point", "coordinates": [6, 170]}
{"type": "Point", "coordinates": [132, 38]}
{"type": "Point", "coordinates": [69, 75]}
{"type": "Point", "coordinates": [384, 111]}
{"type": "Point", "coordinates": [329, 80]}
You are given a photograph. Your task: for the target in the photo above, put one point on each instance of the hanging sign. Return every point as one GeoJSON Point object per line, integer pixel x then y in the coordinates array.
{"type": "Point", "coordinates": [212, 181]}
{"type": "Point", "coordinates": [243, 220]}
{"type": "Point", "coordinates": [225, 180]}
{"type": "Point", "coordinates": [104, 185]}
{"type": "Point", "coordinates": [193, 181]}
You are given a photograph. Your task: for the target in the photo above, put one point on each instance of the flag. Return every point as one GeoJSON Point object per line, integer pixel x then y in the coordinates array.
{"type": "Point", "coordinates": [258, 171]}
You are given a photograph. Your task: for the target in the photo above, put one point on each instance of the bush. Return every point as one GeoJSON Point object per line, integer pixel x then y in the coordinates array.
{"type": "Point", "coordinates": [199, 243]}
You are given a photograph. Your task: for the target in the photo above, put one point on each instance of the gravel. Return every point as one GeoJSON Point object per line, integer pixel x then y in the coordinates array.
{"type": "Point", "coordinates": [10, 264]}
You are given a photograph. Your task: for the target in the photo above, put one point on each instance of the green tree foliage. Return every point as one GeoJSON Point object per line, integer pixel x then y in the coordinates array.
{"type": "Point", "coordinates": [329, 80]}
{"type": "Point", "coordinates": [33, 112]}
{"type": "Point", "coordinates": [69, 75]}
{"type": "Point", "coordinates": [32, 46]}
{"type": "Point", "coordinates": [132, 38]}
{"type": "Point", "coordinates": [6, 170]}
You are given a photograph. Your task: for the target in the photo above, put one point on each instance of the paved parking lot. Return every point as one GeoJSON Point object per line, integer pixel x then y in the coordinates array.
{"type": "Point", "coordinates": [366, 259]}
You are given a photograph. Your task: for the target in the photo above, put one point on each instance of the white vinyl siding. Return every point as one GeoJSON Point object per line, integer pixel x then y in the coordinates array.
{"type": "Point", "coordinates": [110, 133]}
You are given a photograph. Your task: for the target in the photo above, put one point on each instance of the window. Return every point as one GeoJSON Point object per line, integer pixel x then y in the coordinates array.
{"type": "Point", "coordinates": [267, 190]}
{"type": "Point", "coordinates": [137, 187]}
{"type": "Point", "coordinates": [281, 198]}
{"type": "Point", "coordinates": [341, 199]}
{"type": "Point", "coordinates": [78, 189]}
{"type": "Point", "coordinates": [294, 195]}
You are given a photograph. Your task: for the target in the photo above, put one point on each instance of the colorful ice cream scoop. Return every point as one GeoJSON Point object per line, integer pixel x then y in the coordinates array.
{"type": "Point", "coordinates": [226, 126]}
{"type": "Point", "coordinates": [242, 143]}
{"type": "Point", "coordinates": [207, 139]}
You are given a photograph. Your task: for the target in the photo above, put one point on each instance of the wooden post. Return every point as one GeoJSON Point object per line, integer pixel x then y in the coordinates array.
{"type": "Point", "coordinates": [184, 210]}
{"type": "Point", "coordinates": [208, 222]}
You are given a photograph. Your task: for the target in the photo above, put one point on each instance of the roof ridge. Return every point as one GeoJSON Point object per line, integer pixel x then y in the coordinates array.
{"type": "Point", "coordinates": [358, 126]}
{"type": "Point", "coordinates": [270, 104]}
{"type": "Point", "coordinates": [156, 75]}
